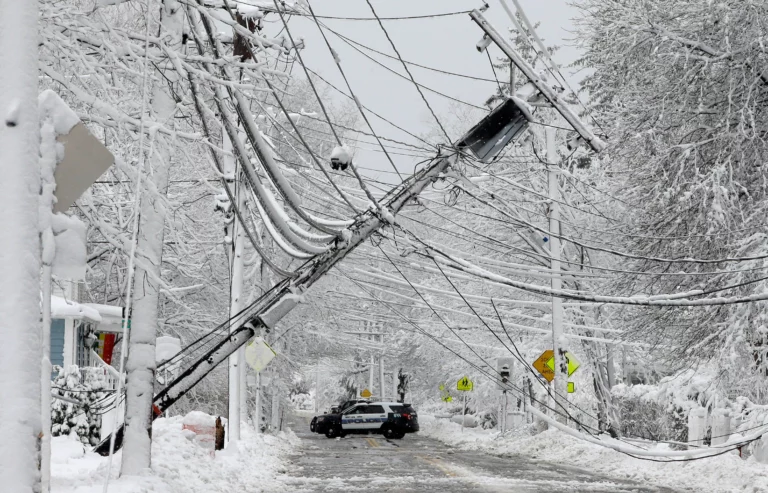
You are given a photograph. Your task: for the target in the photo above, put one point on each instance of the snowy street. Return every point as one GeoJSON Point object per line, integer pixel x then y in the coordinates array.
{"type": "Point", "coordinates": [417, 464]}
{"type": "Point", "coordinates": [286, 246]}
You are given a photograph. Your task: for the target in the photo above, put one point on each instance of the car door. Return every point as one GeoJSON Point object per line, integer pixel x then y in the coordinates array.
{"type": "Point", "coordinates": [352, 418]}
{"type": "Point", "coordinates": [374, 417]}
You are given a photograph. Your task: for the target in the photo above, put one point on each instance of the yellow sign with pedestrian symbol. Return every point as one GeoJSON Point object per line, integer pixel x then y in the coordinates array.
{"type": "Point", "coordinates": [365, 393]}
{"type": "Point", "coordinates": [573, 363]}
{"type": "Point", "coordinates": [464, 384]}
{"type": "Point", "coordinates": [445, 395]}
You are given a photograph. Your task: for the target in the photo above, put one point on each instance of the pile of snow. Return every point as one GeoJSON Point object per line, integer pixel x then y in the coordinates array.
{"type": "Point", "coordinates": [723, 474]}
{"type": "Point", "coordinates": [178, 464]}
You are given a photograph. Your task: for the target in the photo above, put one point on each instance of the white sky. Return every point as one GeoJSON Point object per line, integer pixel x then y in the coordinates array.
{"type": "Point", "coordinates": [447, 43]}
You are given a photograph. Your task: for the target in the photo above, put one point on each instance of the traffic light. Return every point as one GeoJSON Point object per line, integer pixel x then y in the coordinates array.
{"type": "Point", "coordinates": [504, 373]}
{"type": "Point", "coordinates": [504, 369]}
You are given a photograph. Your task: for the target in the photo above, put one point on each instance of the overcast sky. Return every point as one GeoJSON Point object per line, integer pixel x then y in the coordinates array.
{"type": "Point", "coordinates": [446, 43]}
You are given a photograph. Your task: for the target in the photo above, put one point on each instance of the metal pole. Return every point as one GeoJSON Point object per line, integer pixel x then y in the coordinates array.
{"type": "Point", "coordinates": [20, 324]}
{"type": "Point", "coordinates": [257, 414]}
{"type": "Point", "coordinates": [464, 417]}
{"type": "Point", "coordinates": [559, 384]}
{"type": "Point", "coordinates": [503, 417]}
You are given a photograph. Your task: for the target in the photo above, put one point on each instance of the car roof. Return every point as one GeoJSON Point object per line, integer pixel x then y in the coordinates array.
{"type": "Point", "coordinates": [389, 403]}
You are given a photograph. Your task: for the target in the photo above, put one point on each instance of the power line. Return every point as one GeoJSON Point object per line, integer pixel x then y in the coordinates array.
{"type": "Point", "coordinates": [425, 67]}
{"type": "Point", "coordinates": [370, 110]}
{"type": "Point", "coordinates": [349, 88]}
{"type": "Point", "coordinates": [419, 86]}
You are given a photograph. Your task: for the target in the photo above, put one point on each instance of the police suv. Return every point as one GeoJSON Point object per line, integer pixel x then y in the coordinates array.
{"type": "Point", "coordinates": [391, 419]}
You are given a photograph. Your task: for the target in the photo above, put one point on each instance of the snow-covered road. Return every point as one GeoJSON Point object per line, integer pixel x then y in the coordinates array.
{"type": "Point", "coordinates": [417, 464]}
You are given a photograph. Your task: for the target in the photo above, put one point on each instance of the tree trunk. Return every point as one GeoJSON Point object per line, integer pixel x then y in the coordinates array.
{"type": "Point", "coordinates": [20, 326]}
{"type": "Point", "coordinates": [141, 362]}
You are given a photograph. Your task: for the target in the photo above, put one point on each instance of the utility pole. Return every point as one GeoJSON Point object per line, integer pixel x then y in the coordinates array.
{"type": "Point", "coordinates": [560, 382]}
{"type": "Point", "coordinates": [20, 325]}
{"type": "Point", "coordinates": [394, 385]}
{"type": "Point", "coordinates": [527, 70]}
{"type": "Point", "coordinates": [370, 372]}
{"type": "Point", "coordinates": [234, 240]}
{"type": "Point", "coordinates": [317, 387]}
{"type": "Point", "coordinates": [381, 377]}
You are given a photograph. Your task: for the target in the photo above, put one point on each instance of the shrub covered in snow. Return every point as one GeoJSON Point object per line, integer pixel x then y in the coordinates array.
{"type": "Point", "coordinates": [84, 419]}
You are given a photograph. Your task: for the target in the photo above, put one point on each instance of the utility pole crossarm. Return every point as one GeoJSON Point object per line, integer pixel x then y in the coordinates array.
{"type": "Point", "coordinates": [594, 141]}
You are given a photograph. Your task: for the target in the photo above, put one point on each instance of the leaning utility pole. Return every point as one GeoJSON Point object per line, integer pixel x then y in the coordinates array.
{"type": "Point", "coordinates": [560, 382]}
{"type": "Point", "coordinates": [287, 294]}
{"type": "Point", "coordinates": [527, 70]}
{"type": "Point", "coordinates": [20, 324]}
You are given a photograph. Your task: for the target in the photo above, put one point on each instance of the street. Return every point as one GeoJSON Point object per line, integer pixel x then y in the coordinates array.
{"type": "Point", "coordinates": [417, 464]}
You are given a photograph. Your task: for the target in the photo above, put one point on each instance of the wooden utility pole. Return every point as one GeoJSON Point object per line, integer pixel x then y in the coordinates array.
{"type": "Point", "coordinates": [20, 324]}
{"type": "Point", "coordinates": [234, 235]}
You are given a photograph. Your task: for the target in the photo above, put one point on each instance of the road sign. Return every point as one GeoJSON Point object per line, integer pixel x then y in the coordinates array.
{"type": "Point", "coordinates": [573, 363]}
{"type": "Point", "coordinates": [365, 393]}
{"type": "Point", "coordinates": [464, 384]}
{"type": "Point", "coordinates": [541, 365]}
{"type": "Point", "coordinates": [571, 387]}
{"type": "Point", "coordinates": [258, 354]}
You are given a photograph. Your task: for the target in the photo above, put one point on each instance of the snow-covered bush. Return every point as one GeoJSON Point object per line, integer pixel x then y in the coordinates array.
{"type": "Point", "coordinates": [82, 419]}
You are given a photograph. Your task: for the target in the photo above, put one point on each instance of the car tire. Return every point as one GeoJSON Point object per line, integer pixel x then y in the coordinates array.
{"type": "Point", "coordinates": [333, 431]}
{"type": "Point", "coordinates": [389, 432]}
{"type": "Point", "coordinates": [399, 435]}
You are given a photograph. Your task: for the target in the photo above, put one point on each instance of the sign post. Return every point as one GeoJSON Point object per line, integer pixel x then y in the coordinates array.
{"type": "Point", "coordinates": [465, 385]}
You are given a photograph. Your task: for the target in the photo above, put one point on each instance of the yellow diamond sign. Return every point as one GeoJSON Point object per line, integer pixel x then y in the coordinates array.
{"type": "Point", "coordinates": [573, 363]}
{"type": "Point", "coordinates": [465, 384]}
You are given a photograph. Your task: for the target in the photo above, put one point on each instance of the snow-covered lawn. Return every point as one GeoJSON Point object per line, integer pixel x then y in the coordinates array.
{"type": "Point", "coordinates": [723, 474]}
{"type": "Point", "coordinates": [178, 464]}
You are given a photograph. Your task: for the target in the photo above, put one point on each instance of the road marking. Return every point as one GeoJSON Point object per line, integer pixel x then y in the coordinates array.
{"type": "Point", "coordinates": [372, 442]}
{"type": "Point", "coordinates": [438, 464]}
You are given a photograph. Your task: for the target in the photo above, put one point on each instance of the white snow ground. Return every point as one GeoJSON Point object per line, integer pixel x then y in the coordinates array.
{"type": "Point", "coordinates": [178, 464]}
{"type": "Point", "coordinates": [723, 474]}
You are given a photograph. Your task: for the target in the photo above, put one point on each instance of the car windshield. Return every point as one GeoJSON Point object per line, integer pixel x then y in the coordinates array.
{"type": "Point", "coordinates": [403, 409]}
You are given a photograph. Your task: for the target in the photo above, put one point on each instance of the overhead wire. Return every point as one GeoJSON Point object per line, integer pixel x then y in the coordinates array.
{"type": "Point", "coordinates": [349, 87]}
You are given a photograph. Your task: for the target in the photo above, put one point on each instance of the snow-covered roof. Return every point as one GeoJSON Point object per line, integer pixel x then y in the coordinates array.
{"type": "Point", "coordinates": [111, 317]}
{"type": "Point", "coordinates": [62, 308]}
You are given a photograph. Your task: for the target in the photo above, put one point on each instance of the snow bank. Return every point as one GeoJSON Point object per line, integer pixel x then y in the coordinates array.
{"type": "Point", "coordinates": [178, 464]}
{"type": "Point", "coordinates": [723, 474]}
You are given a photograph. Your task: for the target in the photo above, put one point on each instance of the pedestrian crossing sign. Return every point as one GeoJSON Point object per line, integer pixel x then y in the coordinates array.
{"type": "Point", "coordinates": [464, 384]}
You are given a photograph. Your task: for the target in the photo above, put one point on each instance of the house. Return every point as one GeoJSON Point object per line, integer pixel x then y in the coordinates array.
{"type": "Point", "coordinates": [84, 334]}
